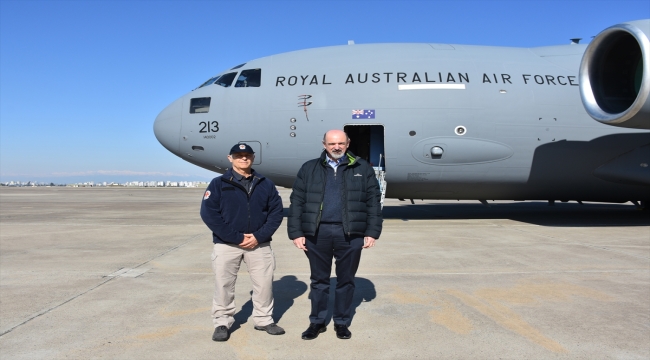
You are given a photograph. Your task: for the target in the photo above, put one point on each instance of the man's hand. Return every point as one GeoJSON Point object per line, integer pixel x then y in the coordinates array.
{"type": "Point", "coordinates": [300, 243]}
{"type": "Point", "coordinates": [368, 242]}
{"type": "Point", "coordinates": [249, 242]}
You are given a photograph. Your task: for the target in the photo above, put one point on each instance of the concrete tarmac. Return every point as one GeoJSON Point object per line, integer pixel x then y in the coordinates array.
{"type": "Point", "coordinates": [124, 273]}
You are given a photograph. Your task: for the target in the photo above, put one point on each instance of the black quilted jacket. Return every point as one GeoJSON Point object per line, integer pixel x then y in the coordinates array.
{"type": "Point", "coordinates": [361, 211]}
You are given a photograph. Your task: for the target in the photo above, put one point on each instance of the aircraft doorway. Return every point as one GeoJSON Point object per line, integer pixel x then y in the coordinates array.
{"type": "Point", "coordinates": [367, 142]}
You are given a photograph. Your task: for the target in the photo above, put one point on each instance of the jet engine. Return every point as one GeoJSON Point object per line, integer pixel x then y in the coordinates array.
{"type": "Point", "coordinates": [615, 76]}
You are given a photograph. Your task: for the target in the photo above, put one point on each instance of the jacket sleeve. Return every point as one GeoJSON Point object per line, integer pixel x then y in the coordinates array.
{"type": "Point", "coordinates": [298, 195]}
{"type": "Point", "coordinates": [211, 215]}
{"type": "Point", "coordinates": [274, 217]}
{"type": "Point", "coordinates": [373, 204]}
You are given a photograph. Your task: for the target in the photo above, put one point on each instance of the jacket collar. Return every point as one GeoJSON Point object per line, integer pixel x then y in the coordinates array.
{"type": "Point", "coordinates": [230, 174]}
{"type": "Point", "coordinates": [348, 159]}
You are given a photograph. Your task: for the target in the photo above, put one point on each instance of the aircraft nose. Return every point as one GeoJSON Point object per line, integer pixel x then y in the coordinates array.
{"type": "Point", "coordinates": [167, 126]}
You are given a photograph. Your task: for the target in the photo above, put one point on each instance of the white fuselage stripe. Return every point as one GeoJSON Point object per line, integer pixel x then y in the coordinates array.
{"type": "Point", "coordinates": [431, 87]}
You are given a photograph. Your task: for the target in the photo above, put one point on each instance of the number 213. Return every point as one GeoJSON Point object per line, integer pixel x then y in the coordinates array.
{"type": "Point", "coordinates": [209, 126]}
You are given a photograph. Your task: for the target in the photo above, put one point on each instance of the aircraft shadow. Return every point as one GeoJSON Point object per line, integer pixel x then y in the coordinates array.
{"type": "Point", "coordinates": [285, 290]}
{"type": "Point", "coordinates": [532, 212]}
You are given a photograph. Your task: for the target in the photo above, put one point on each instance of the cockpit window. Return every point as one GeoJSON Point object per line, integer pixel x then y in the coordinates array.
{"type": "Point", "coordinates": [238, 66]}
{"type": "Point", "coordinates": [225, 80]}
{"type": "Point", "coordinates": [210, 81]}
{"type": "Point", "coordinates": [249, 78]}
{"type": "Point", "coordinates": [199, 105]}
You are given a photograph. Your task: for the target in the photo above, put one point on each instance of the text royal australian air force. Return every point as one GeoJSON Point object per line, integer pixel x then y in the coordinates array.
{"type": "Point", "coordinates": [425, 77]}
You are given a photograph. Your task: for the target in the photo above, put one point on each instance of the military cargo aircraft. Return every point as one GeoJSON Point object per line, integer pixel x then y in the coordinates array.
{"type": "Point", "coordinates": [439, 121]}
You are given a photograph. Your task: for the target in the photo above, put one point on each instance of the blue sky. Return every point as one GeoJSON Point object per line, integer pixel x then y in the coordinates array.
{"type": "Point", "coordinates": [81, 82]}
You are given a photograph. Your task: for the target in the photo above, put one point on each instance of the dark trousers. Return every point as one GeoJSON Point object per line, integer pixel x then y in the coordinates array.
{"type": "Point", "coordinates": [330, 241]}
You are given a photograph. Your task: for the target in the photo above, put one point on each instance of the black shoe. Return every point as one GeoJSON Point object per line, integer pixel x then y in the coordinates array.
{"type": "Point", "coordinates": [342, 331]}
{"type": "Point", "coordinates": [313, 330]}
{"type": "Point", "coordinates": [221, 333]}
{"type": "Point", "coordinates": [272, 329]}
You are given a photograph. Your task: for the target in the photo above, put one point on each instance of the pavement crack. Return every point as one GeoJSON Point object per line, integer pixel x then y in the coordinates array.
{"type": "Point", "coordinates": [107, 279]}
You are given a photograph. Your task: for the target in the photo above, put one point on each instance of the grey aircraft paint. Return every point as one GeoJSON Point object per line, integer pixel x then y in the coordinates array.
{"type": "Point", "coordinates": [444, 121]}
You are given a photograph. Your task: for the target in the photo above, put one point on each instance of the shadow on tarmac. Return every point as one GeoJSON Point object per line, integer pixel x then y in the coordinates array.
{"type": "Point", "coordinates": [364, 291]}
{"type": "Point", "coordinates": [285, 291]}
{"type": "Point", "coordinates": [288, 288]}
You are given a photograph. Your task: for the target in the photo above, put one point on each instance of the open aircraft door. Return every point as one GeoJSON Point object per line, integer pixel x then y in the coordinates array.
{"type": "Point", "coordinates": [367, 142]}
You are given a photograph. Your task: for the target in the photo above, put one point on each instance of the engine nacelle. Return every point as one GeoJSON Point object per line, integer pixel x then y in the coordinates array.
{"type": "Point", "coordinates": [615, 76]}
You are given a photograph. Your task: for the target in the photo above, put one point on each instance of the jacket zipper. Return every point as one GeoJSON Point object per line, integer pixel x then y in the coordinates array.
{"type": "Point", "coordinates": [320, 211]}
{"type": "Point", "coordinates": [345, 203]}
{"type": "Point", "coordinates": [248, 197]}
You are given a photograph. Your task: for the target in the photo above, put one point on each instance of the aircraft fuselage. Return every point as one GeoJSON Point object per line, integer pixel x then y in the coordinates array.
{"type": "Point", "coordinates": [444, 121]}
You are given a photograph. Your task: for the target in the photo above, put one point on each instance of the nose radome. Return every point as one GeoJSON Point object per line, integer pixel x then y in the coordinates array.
{"type": "Point", "coordinates": [167, 126]}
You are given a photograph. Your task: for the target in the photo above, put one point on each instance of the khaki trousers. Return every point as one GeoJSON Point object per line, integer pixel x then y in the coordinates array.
{"type": "Point", "coordinates": [226, 260]}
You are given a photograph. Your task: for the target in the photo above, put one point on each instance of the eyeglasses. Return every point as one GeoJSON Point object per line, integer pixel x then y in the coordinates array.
{"type": "Point", "coordinates": [242, 155]}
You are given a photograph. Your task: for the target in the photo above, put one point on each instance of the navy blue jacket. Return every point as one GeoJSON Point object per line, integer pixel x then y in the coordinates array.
{"type": "Point", "coordinates": [230, 212]}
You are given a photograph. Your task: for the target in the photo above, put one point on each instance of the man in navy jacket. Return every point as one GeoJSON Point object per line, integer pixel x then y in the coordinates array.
{"type": "Point", "coordinates": [243, 209]}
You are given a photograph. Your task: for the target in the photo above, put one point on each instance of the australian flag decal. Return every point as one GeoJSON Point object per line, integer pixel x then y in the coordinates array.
{"type": "Point", "coordinates": [363, 114]}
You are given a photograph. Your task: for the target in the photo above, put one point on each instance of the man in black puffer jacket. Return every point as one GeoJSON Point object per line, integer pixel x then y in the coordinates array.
{"type": "Point", "coordinates": [335, 212]}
